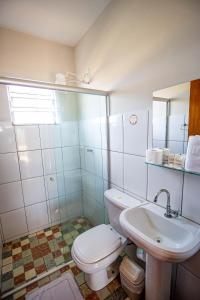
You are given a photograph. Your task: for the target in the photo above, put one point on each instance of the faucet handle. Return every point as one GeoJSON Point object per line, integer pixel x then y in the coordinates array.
{"type": "Point", "coordinates": [176, 213]}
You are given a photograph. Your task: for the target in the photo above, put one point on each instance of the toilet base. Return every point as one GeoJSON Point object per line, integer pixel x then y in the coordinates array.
{"type": "Point", "coordinates": [98, 280]}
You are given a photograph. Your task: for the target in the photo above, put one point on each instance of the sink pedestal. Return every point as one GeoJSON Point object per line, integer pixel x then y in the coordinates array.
{"type": "Point", "coordinates": [158, 279]}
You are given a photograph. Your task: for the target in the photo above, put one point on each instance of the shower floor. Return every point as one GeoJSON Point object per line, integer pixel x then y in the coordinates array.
{"type": "Point", "coordinates": [28, 257]}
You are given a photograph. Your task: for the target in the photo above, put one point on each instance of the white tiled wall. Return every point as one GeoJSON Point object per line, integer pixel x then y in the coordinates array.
{"type": "Point", "coordinates": [39, 165]}
{"type": "Point", "coordinates": [129, 173]}
{"type": "Point", "coordinates": [128, 144]}
{"type": "Point", "coordinates": [49, 175]}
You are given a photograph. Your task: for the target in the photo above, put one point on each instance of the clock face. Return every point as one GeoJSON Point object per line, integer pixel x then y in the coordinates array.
{"type": "Point", "coordinates": [133, 119]}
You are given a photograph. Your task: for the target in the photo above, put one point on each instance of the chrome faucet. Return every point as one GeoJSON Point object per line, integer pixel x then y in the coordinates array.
{"type": "Point", "coordinates": [169, 211]}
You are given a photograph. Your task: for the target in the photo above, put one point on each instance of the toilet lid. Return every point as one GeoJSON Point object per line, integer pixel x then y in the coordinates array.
{"type": "Point", "coordinates": [97, 243]}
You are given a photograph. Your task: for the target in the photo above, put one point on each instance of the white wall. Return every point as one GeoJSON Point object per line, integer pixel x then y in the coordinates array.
{"type": "Point", "coordinates": [26, 56]}
{"type": "Point", "coordinates": [136, 47]}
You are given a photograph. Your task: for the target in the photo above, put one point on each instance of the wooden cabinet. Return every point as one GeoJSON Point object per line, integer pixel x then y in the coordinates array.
{"type": "Point", "coordinates": [194, 110]}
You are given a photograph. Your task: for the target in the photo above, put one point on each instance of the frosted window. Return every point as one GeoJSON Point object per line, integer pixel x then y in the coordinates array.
{"type": "Point", "coordinates": [32, 105]}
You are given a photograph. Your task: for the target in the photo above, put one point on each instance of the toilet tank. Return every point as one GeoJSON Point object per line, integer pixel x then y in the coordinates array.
{"type": "Point", "coordinates": [117, 201]}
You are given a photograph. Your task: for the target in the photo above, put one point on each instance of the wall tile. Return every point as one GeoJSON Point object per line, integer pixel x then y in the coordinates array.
{"type": "Point", "coordinates": [93, 210]}
{"type": "Point", "coordinates": [187, 285]}
{"type": "Point", "coordinates": [14, 223]}
{"type": "Point", "coordinates": [135, 175]}
{"type": "Point", "coordinates": [30, 164]}
{"type": "Point", "coordinates": [63, 209]}
{"type": "Point", "coordinates": [94, 130]}
{"type": "Point", "coordinates": [104, 133]}
{"type": "Point", "coordinates": [176, 147]}
{"type": "Point", "coordinates": [116, 168]}
{"type": "Point", "coordinates": [73, 181]}
{"type": "Point", "coordinates": [28, 138]}
{"type": "Point", "coordinates": [37, 216]}
{"type": "Point", "coordinates": [193, 264]}
{"type": "Point", "coordinates": [116, 133]}
{"type": "Point", "coordinates": [9, 168]}
{"type": "Point", "coordinates": [90, 132]}
{"type": "Point", "coordinates": [11, 196]}
{"type": "Point", "coordinates": [69, 134]}
{"type": "Point", "coordinates": [191, 203]}
{"type": "Point", "coordinates": [159, 178]}
{"type": "Point", "coordinates": [105, 156]}
{"type": "Point", "coordinates": [52, 160]}
{"type": "Point", "coordinates": [88, 183]}
{"type": "Point", "coordinates": [135, 136]}
{"type": "Point", "coordinates": [50, 136]}
{"type": "Point", "coordinates": [82, 132]}
{"type": "Point", "coordinates": [7, 138]}
{"type": "Point", "coordinates": [34, 190]}
{"type": "Point", "coordinates": [113, 186]}
{"type": "Point", "coordinates": [93, 161]}
{"type": "Point", "coordinates": [51, 186]}
{"type": "Point", "coordinates": [74, 205]}
{"type": "Point", "coordinates": [175, 130]}
{"type": "Point", "coordinates": [82, 156]}
{"type": "Point", "coordinates": [71, 158]}
{"type": "Point", "coordinates": [60, 184]}
{"type": "Point", "coordinates": [54, 210]}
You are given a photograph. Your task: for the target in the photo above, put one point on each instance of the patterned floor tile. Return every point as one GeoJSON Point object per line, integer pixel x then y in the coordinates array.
{"type": "Point", "coordinates": [113, 291]}
{"type": "Point", "coordinates": [30, 274]}
{"type": "Point", "coordinates": [36, 253]}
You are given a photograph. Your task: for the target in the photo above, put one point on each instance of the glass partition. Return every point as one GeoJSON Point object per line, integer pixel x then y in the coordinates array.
{"type": "Point", "coordinates": [55, 143]}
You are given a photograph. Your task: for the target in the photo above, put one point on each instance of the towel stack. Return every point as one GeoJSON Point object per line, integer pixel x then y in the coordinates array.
{"type": "Point", "coordinates": [192, 162]}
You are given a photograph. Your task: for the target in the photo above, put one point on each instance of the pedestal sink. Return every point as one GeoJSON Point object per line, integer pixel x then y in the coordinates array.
{"type": "Point", "coordinates": [165, 241]}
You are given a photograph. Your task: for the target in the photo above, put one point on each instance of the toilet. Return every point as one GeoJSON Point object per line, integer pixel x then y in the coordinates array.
{"type": "Point", "coordinates": [97, 250]}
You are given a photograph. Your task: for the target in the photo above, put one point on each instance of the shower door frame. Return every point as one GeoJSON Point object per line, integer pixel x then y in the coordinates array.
{"type": "Point", "coordinates": [57, 87]}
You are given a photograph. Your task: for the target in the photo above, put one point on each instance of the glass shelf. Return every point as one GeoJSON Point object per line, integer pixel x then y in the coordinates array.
{"type": "Point", "coordinates": [171, 167]}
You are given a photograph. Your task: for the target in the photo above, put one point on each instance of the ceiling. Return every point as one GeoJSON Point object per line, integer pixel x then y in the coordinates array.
{"type": "Point", "coordinates": [63, 21]}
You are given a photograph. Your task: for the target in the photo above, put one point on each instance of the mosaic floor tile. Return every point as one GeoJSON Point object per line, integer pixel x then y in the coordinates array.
{"type": "Point", "coordinates": [34, 254]}
{"type": "Point", "coordinates": [30, 274]}
{"type": "Point", "coordinates": [113, 291]}
{"type": "Point", "coordinates": [25, 242]}
{"type": "Point", "coordinates": [7, 261]}
{"type": "Point", "coordinates": [16, 251]}
{"type": "Point", "coordinates": [19, 279]}
{"type": "Point", "coordinates": [7, 268]}
{"type": "Point", "coordinates": [18, 271]}
{"type": "Point", "coordinates": [7, 285]}
{"type": "Point", "coordinates": [59, 260]}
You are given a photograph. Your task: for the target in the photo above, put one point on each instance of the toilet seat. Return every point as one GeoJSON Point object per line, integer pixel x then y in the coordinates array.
{"type": "Point", "coordinates": [97, 243]}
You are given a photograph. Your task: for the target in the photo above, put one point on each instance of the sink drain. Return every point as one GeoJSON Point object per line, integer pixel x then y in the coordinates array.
{"type": "Point", "coordinates": [158, 240]}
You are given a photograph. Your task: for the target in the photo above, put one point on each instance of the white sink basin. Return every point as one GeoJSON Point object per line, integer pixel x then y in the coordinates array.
{"type": "Point", "coordinates": [172, 240]}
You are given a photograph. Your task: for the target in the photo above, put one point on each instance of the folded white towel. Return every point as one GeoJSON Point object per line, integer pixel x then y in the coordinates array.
{"type": "Point", "coordinates": [192, 162]}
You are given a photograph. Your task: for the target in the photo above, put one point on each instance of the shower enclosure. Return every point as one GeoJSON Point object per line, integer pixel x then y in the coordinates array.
{"type": "Point", "coordinates": [53, 160]}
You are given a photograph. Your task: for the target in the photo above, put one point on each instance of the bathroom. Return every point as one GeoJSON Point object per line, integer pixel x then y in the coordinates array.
{"type": "Point", "coordinates": [79, 102]}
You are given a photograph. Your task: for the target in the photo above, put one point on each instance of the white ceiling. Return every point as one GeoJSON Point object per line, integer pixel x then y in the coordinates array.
{"type": "Point", "coordinates": [64, 21]}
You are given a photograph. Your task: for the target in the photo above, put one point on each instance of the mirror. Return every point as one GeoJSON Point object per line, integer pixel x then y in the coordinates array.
{"type": "Point", "coordinates": [170, 117]}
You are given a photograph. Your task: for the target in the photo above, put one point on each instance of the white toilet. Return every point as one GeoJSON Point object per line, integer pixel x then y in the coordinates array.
{"type": "Point", "coordinates": [96, 251]}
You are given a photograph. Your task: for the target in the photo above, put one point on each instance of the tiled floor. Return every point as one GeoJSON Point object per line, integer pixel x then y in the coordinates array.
{"type": "Point", "coordinates": [113, 291]}
{"type": "Point", "coordinates": [32, 255]}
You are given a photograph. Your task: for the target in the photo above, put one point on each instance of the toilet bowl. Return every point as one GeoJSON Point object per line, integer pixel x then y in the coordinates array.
{"type": "Point", "coordinates": [96, 251]}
